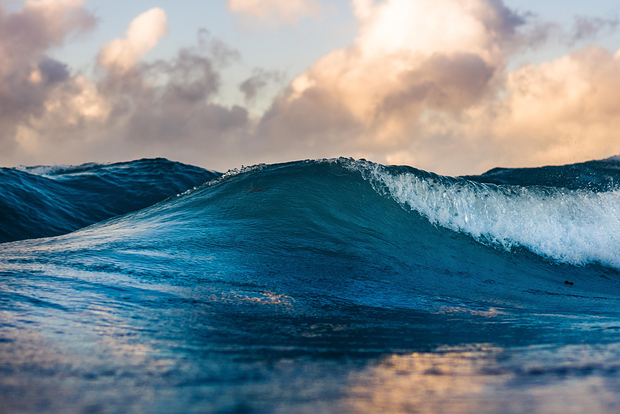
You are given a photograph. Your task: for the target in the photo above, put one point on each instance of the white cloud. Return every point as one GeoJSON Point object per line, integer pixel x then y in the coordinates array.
{"type": "Point", "coordinates": [142, 35]}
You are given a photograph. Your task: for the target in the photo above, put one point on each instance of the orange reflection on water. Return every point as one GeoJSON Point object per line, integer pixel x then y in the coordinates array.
{"type": "Point", "coordinates": [446, 380]}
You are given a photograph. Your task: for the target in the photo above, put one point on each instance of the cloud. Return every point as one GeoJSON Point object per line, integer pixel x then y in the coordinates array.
{"type": "Point", "coordinates": [165, 107]}
{"type": "Point", "coordinates": [588, 28]}
{"type": "Point", "coordinates": [274, 12]}
{"type": "Point", "coordinates": [27, 75]}
{"type": "Point", "coordinates": [39, 25]}
{"type": "Point", "coordinates": [426, 84]}
{"type": "Point", "coordinates": [142, 35]}
{"type": "Point", "coordinates": [260, 79]}
{"type": "Point", "coordinates": [129, 109]}
{"type": "Point", "coordinates": [410, 60]}
{"type": "Point", "coordinates": [566, 109]}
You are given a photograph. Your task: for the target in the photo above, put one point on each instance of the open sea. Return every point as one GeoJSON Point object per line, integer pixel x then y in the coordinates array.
{"type": "Point", "coordinates": [333, 285]}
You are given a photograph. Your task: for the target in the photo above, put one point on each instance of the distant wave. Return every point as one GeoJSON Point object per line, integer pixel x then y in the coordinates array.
{"type": "Point", "coordinates": [45, 201]}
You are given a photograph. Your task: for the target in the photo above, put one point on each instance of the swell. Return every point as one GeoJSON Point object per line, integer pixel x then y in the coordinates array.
{"type": "Point", "coordinates": [326, 235]}
{"type": "Point", "coordinates": [570, 220]}
{"type": "Point", "coordinates": [49, 201]}
{"type": "Point", "coordinates": [579, 226]}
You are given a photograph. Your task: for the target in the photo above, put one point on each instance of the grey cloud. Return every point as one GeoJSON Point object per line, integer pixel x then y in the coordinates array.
{"type": "Point", "coordinates": [21, 99]}
{"type": "Point", "coordinates": [260, 78]}
{"type": "Point", "coordinates": [25, 37]}
{"type": "Point", "coordinates": [316, 124]}
{"type": "Point", "coordinates": [539, 32]}
{"type": "Point", "coordinates": [588, 28]}
{"type": "Point", "coordinates": [449, 83]}
{"type": "Point", "coordinates": [516, 30]}
{"type": "Point", "coordinates": [185, 81]}
{"type": "Point", "coordinates": [500, 19]}
{"type": "Point", "coordinates": [195, 127]}
{"type": "Point", "coordinates": [220, 52]}
{"type": "Point", "coordinates": [54, 71]}
{"type": "Point", "coordinates": [163, 108]}
{"type": "Point", "coordinates": [190, 77]}
{"type": "Point", "coordinates": [158, 108]}
{"type": "Point", "coordinates": [29, 32]}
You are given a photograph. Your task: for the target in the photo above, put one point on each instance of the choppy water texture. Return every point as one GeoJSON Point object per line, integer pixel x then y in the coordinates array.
{"type": "Point", "coordinates": [314, 286]}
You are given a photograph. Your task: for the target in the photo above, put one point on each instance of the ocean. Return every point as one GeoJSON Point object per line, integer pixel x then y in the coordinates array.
{"type": "Point", "coordinates": [333, 285]}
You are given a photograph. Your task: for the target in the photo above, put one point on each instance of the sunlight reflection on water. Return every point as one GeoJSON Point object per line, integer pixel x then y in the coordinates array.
{"type": "Point", "coordinates": [487, 379]}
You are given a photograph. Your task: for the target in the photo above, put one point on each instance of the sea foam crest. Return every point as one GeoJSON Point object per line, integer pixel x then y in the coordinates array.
{"type": "Point", "coordinates": [576, 227]}
{"type": "Point", "coordinates": [51, 170]}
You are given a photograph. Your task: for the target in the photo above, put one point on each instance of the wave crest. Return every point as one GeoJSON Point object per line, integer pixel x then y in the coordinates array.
{"type": "Point", "coordinates": [578, 227]}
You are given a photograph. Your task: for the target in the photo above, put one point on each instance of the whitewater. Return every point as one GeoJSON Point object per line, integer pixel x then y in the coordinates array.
{"type": "Point", "coordinates": [333, 285]}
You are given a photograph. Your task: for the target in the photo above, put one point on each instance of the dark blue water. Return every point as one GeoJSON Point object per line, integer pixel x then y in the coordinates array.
{"type": "Point", "coordinates": [326, 286]}
{"type": "Point", "coordinates": [49, 201]}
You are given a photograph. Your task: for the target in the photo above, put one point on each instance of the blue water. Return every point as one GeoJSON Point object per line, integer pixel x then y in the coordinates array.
{"type": "Point", "coordinates": [49, 201]}
{"type": "Point", "coordinates": [313, 286]}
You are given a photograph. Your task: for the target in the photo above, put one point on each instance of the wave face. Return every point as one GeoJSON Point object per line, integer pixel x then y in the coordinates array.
{"type": "Point", "coordinates": [49, 201]}
{"type": "Point", "coordinates": [329, 285]}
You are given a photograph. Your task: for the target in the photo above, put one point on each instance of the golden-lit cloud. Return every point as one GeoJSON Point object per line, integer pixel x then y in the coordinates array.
{"type": "Point", "coordinates": [426, 83]}
{"type": "Point", "coordinates": [411, 59]}
{"type": "Point", "coordinates": [142, 35]}
{"type": "Point", "coordinates": [564, 110]}
{"type": "Point", "coordinates": [274, 12]}
{"type": "Point", "coordinates": [558, 112]}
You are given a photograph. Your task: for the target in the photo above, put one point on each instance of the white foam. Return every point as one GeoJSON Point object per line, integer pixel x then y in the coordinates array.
{"type": "Point", "coordinates": [51, 170]}
{"type": "Point", "coordinates": [576, 227]}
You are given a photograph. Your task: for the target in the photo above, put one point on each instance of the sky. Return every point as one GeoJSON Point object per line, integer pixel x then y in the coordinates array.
{"type": "Point", "coordinates": [450, 86]}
